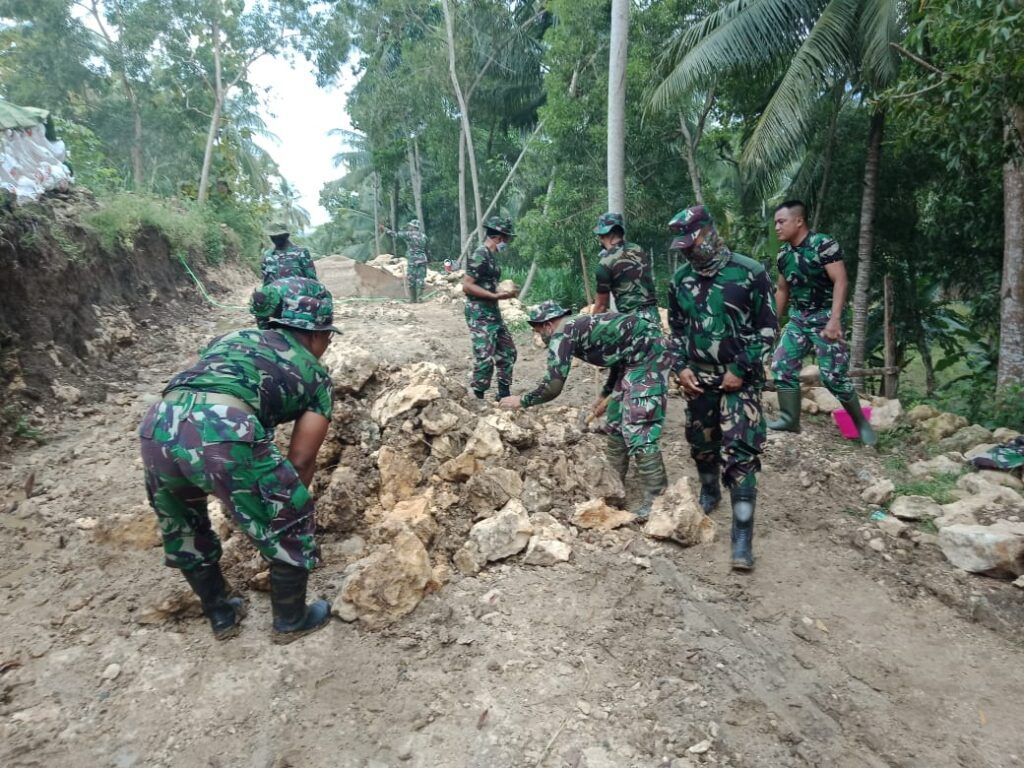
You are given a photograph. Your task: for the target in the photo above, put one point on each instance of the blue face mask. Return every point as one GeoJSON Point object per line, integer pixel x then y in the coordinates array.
{"type": "Point", "coordinates": [502, 247]}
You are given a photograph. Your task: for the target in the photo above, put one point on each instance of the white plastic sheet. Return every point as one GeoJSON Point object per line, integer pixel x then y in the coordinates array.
{"type": "Point", "coordinates": [30, 164]}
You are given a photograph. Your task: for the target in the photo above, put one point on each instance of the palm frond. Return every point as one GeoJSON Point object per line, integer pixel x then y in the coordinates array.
{"type": "Point", "coordinates": [880, 26]}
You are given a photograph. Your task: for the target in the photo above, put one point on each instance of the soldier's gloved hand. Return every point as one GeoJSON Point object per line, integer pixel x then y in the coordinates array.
{"type": "Point", "coordinates": [688, 381]}
{"type": "Point", "coordinates": [599, 407]}
{"type": "Point", "coordinates": [510, 403]}
{"type": "Point", "coordinates": [832, 331]}
{"type": "Point", "coordinates": [731, 382]}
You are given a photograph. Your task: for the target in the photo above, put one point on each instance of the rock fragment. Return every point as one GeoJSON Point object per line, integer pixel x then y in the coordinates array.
{"type": "Point", "coordinates": [993, 550]}
{"type": "Point", "coordinates": [596, 515]}
{"type": "Point", "coordinates": [915, 508]}
{"type": "Point", "coordinates": [676, 515]}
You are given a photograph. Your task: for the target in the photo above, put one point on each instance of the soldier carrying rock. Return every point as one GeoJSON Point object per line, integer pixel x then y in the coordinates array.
{"type": "Point", "coordinates": [212, 433]}
{"type": "Point", "coordinates": [285, 259]}
{"type": "Point", "coordinates": [634, 351]}
{"type": "Point", "coordinates": [812, 278]}
{"type": "Point", "coordinates": [493, 346]}
{"type": "Point", "coordinates": [723, 326]}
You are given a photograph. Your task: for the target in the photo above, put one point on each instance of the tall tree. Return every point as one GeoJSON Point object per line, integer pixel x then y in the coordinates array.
{"type": "Point", "coordinates": [617, 55]}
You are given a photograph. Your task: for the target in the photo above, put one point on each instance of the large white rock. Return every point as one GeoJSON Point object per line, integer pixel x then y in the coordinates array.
{"type": "Point", "coordinates": [943, 425]}
{"type": "Point", "coordinates": [485, 442]}
{"type": "Point", "coordinates": [965, 438]}
{"type": "Point", "coordinates": [1004, 434]}
{"type": "Point", "coordinates": [994, 550]}
{"type": "Point", "coordinates": [825, 400]}
{"type": "Point", "coordinates": [940, 465]}
{"type": "Point", "coordinates": [878, 493]}
{"type": "Point", "coordinates": [395, 402]}
{"type": "Point", "coordinates": [955, 514]}
{"type": "Point", "coordinates": [999, 477]}
{"type": "Point", "coordinates": [914, 508]}
{"type": "Point", "coordinates": [510, 432]}
{"type": "Point", "coordinates": [351, 367]}
{"type": "Point", "coordinates": [442, 416]}
{"type": "Point", "coordinates": [542, 551]}
{"type": "Point", "coordinates": [810, 376]}
{"type": "Point", "coordinates": [676, 515]}
{"type": "Point", "coordinates": [491, 489]}
{"type": "Point", "coordinates": [920, 413]}
{"type": "Point", "coordinates": [885, 413]}
{"type": "Point", "coordinates": [495, 538]}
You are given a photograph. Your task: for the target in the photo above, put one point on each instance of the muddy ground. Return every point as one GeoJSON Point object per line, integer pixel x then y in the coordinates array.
{"type": "Point", "coordinates": [634, 653]}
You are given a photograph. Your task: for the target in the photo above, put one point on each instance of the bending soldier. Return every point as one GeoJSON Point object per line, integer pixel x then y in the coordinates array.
{"type": "Point", "coordinates": [213, 434]}
{"type": "Point", "coordinates": [634, 352]}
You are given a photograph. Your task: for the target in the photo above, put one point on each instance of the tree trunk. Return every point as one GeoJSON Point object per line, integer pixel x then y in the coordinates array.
{"type": "Point", "coordinates": [1011, 306]}
{"type": "Point", "coordinates": [417, 181]}
{"type": "Point", "coordinates": [464, 115]}
{"type": "Point", "coordinates": [617, 106]}
{"type": "Point", "coordinates": [690, 150]}
{"type": "Point", "coordinates": [463, 214]}
{"type": "Point", "coordinates": [393, 213]}
{"type": "Point", "coordinates": [866, 243]}
{"type": "Point", "coordinates": [218, 105]}
{"type": "Point", "coordinates": [890, 379]}
{"type": "Point", "coordinates": [826, 171]}
{"type": "Point", "coordinates": [376, 215]}
{"type": "Point", "coordinates": [533, 264]}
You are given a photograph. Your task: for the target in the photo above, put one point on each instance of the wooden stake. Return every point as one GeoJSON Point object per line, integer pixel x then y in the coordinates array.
{"type": "Point", "coordinates": [890, 379]}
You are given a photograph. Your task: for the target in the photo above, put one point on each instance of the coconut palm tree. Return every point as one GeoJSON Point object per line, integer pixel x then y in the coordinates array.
{"type": "Point", "coordinates": [809, 48]}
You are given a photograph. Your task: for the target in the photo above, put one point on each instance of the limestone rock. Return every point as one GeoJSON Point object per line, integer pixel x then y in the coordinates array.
{"type": "Point", "coordinates": [596, 515]}
{"type": "Point", "coordinates": [1004, 434]}
{"type": "Point", "coordinates": [676, 515]}
{"type": "Point", "coordinates": [413, 515]}
{"type": "Point", "coordinates": [825, 400]}
{"type": "Point", "coordinates": [879, 493]}
{"type": "Point", "coordinates": [546, 552]}
{"type": "Point", "coordinates": [955, 514]}
{"type": "Point", "coordinates": [138, 531]}
{"type": "Point", "coordinates": [885, 414]}
{"type": "Point", "coordinates": [351, 367]}
{"type": "Point", "coordinates": [892, 526]}
{"type": "Point", "coordinates": [485, 442]}
{"type": "Point", "coordinates": [497, 537]}
{"type": "Point", "coordinates": [943, 425]}
{"type": "Point", "coordinates": [922, 412]}
{"type": "Point", "coordinates": [998, 477]}
{"type": "Point", "coordinates": [770, 400]}
{"type": "Point", "coordinates": [399, 476]}
{"type": "Point", "coordinates": [459, 469]}
{"type": "Point", "coordinates": [510, 431]}
{"type": "Point", "coordinates": [915, 508]}
{"type": "Point", "coordinates": [547, 527]}
{"type": "Point", "coordinates": [807, 405]}
{"type": "Point", "coordinates": [536, 497]}
{"type": "Point", "coordinates": [940, 465]}
{"type": "Point", "coordinates": [66, 393]}
{"type": "Point", "coordinates": [810, 376]}
{"type": "Point", "coordinates": [994, 550]}
{"type": "Point", "coordinates": [596, 476]}
{"type": "Point", "coordinates": [491, 489]}
{"type": "Point", "coordinates": [442, 416]}
{"type": "Point", "coordinates": [395, 402]}
{"type": "Point", "coordinates": [965, 438]}
{"type": "Point", "coordinates": [339, 507]}
{"type": "Point", "coordinates": [387, 584]}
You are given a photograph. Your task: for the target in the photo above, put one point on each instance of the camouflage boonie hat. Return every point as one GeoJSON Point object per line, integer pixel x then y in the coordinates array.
{"type": "Point", "coordinates": [501, 224]}
{"type": "Point", "coordinates": [608, 222]}
{"type": "Point", "coordinates": [277, 229]}
{"type": "Point", "coordinates": [295, 302]}
{"type": "Point", "coordinates": [546, 310]}
{"type": "Point", "coordinates": [687, 224]}
{"type": "Point", "coordinates": [413, 224]}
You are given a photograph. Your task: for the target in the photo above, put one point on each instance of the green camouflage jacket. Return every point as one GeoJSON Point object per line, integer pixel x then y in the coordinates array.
{"type": "Point", "coordinates": [415, 242]}
{"type": "Point", "coordinates": [291, 262]}
{"type": "Point", "coordinates": [482, 266]}
{"type": "Point", "coordinates": [626, 272]}
{"type": "Point", "coordinates": [803, 267]}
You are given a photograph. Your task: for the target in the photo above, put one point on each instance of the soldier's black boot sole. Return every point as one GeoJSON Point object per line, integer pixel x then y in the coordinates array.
{"type": "Point", "coordinates": [224, 613]}
{"type": "Point", "coordinates": [744, 500]}
{"type": "Point", "coordinates": [292, 617]}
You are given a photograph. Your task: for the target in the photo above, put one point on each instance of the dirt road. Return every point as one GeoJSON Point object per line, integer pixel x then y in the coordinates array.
{"type": "Point", "coordinates": [632, 654]}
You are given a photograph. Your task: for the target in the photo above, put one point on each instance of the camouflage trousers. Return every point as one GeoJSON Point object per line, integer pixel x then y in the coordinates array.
{"type": "Point", "coordinates": [1008, 456]}
{"type": "Point", "coordinates": [415, 274]}
{"type": "Point", "coordinates": [650, 314]}
{"type": "Point", "coordinates": [726, 428]}
{"type": "Point", "coordinates": [801, 335]}
{"type": "Point", "coordinates": [190, 452]}
{"type": "Point", "coordinates": [493, 346]}
{"type": "Point", "coordinates": [637, 408]}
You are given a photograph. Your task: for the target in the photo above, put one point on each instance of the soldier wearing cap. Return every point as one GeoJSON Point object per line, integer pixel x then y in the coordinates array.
{"type": "Point", "coordinates": [812, 283]}
{"type": "Point", "coordinates": [212, 433]}
{"type": "Point", "coordinates": [285, 259]}
{"type": "Point", "coordinates": [623, 271]}
{"type": "Point", "coordinates": [723, 326]}
{"type": "Point", "coordinates": [634, 352]}
{"type": "Point", "coordinates": [415, 256]}
{"type": "Point", "coordinates": [493, 346]}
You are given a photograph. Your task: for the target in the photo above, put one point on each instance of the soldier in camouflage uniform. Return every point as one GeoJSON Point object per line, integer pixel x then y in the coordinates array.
{"type": "Point", "coordinates": [634, 352]}
{"type": "Point", "coordinates": [415, 257]}
{"type": "Point", "coordinates": [624, 271]}
{"type": "Point", "coordinates": [493, 346]}
{"type": "Point", "coordinates": [1008, 456]}
{"type": "Point", "coordinates": [212, 433]}
{"type": "Point", "coordinates": [812, 280]}
{"type": "Point", "coordinates": [723, 326]}
{"type": "Point", "coordinates": [285, 259]}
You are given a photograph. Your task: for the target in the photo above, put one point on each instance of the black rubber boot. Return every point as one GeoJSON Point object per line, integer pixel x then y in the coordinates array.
{"type": "Point", "coordinates": [503, 391]}
{"type": "Point", "coordinates": [225, 613]}
{"type": "Point", "coordinates": [743, 502]}
{"type": "Point", "coordinates": [617, 453]}
{"type": "Point", "coordinates": [651, 469]}
{"type": "Point", "coordinates": [710, 488]}
{"type": "Point", "coordinates": [292, 617]}
{"type": "Point", "coordinates": [867, 434]}
{"type": "Point", "coordinates": [479, 393]}
{"type": "Point", "coordinates": [789, 411]}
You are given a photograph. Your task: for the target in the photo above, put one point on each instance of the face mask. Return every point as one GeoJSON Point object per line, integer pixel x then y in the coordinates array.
{"type": "Point", "coordinates": [502, 247]}
{"type": "Point", "coordinates": [701, 255]}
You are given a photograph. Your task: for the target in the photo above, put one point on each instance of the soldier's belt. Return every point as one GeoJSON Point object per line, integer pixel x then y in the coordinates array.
{"type": "Point", "coordinates": [190, 397]}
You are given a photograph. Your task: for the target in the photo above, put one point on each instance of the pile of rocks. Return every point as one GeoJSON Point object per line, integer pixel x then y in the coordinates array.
{"type": "Point", "coordinates": [432, 479]}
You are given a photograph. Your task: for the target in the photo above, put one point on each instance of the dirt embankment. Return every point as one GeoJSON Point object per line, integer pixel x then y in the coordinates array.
{"type": "Point", "coordinates": [69, 304]}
